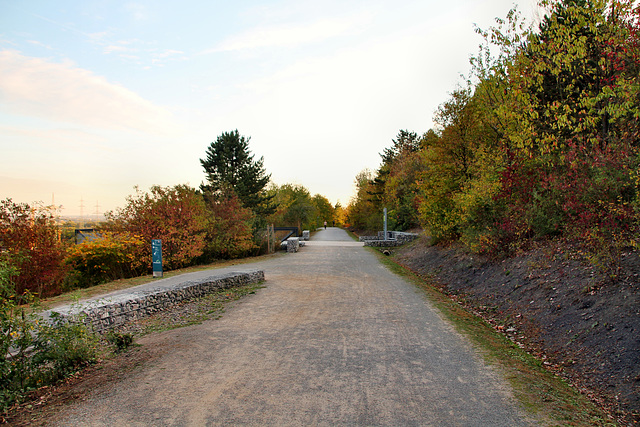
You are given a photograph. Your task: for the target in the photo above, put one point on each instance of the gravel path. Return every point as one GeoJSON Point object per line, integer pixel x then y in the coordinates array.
{"type": "Point", "coordinates": [333, 339]}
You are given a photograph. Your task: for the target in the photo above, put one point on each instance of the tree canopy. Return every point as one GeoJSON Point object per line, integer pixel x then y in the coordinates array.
{"type": "Point", "coordinates": [231, 168]}
{"type": "Point", "coordinates": [540, 142]}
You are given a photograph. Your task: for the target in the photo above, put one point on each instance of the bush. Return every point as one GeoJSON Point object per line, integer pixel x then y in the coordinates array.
{"type": "Point", "coordinates": [111, 257]}
{"type": "Point", "coordinates": [34, 353]}
{"type": "Point", "coordinates": [29, 239]}
{"type": "Point", "coordinates": [120, 340]}
{"type": "Point", "coordinates": [229, 233]}
{"type": "Point", "coordinates": [176, 215]}
{"type": "Point", "coordinates": [61, 347]}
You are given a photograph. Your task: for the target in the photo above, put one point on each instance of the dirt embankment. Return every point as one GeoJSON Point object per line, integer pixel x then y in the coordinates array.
{"type": "Point", "coordinates": [579, 322]}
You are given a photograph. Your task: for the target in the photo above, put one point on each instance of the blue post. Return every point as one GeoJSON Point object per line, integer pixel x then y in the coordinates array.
{"type": "Point", "coordinates": [156, 257]}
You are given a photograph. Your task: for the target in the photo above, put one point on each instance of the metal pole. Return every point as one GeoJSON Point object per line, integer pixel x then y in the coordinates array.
{"type": "Point", "coordinates": [385, 223]}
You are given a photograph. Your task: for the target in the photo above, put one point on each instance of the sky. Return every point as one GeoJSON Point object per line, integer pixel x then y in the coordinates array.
{"type": "Point", "coordinates": [97, 97]}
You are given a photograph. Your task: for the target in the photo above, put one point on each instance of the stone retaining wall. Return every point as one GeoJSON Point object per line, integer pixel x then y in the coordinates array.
{"type": "Point", "coordinates": [404, 237]}
{"type": "Point", "coordinates": [394, 238]}
{"type": "Point", "coordinates": [117, 310]}
{"type": "Point", "coordinates": [383, 243]}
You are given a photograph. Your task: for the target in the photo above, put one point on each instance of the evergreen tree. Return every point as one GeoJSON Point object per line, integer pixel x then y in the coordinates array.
{"type": "Point", "coordinates": [406, 142]}
{"type": "Point", "coordinates": [231, 168]}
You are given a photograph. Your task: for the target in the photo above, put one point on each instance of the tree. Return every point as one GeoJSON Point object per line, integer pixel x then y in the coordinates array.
{"type": "Point", "coordinates": [176, 215]}
{"type": "Point", "coordinates": [294, 206]}
{"type": "Point", "coordinates": [340, 214]}
{"type": "Point", "coordinates": [324, 211]}
{"type": "Point", "coordinates": [455, 167]}
{"type": "Point", "coordinates": [364, 211]}
{"type": "Point", "coordinates": [29, 243]}
{"type": "Point", "coordinates": [395, 182]}
{"type": "Point", "coordinates": [229, 233]}
{"type": "Point", "coordinates": [406, 142]}
{"type": "Point", "coordinates": [563, 102]}
{"type": "Point", "coordinates": [230, 167]}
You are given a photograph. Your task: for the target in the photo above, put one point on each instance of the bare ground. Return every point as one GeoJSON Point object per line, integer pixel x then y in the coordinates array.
{"type": "Point", "coordinates": [584, 325]}
{"type": "Point", "coordinates": [46, 403]}
{"type": "Point", "coordinates": [334, 339]}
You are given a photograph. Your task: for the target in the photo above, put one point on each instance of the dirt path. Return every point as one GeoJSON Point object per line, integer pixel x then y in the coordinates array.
{"type": "Point", "coordinates": [333, 339]}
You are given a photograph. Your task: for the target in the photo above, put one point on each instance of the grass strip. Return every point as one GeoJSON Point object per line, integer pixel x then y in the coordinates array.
{"type": "Point", "coordinates": [194, 311]}
{"type": "Point", "coordinates": [104, 288]}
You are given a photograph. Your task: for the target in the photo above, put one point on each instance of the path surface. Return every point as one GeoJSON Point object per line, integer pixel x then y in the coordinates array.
{"type": "Point", "coordinates": [334, 339]}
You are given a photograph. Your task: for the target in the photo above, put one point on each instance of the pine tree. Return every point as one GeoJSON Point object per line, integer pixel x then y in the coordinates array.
{"type": "Point", "coordinates": [231, 168]}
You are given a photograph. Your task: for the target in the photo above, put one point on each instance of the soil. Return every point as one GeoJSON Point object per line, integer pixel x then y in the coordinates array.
{"type": "Point", "coordinates": [577, 320]}
{"type": "Point", "coordinates": [44, 404]}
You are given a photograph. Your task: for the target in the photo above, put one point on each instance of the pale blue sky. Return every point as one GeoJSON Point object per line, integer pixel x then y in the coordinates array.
{"type": "Point", "coordinates": [99, 96]}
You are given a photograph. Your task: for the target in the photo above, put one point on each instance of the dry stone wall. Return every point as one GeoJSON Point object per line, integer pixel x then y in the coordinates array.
{"type": "Point", "coordinates": [394, 238]}
{"type": "Point", "coordinates": [383, 243]}
{"type": "Point", "coordinates": [117, 310]}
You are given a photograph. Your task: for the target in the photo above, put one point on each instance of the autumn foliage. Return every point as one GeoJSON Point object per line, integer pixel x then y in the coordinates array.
{"type": "Point", "coordinates": [110, 257]}
{"type": "Point", "coordinates": [29, 243]}
{"type": "Point", "coordinates": [176, 215]}
{"type": "Point", "coordinates": [296, 207]}
{"type": "Point", "coordinates": [229, 230]}
{"type": "Point", "coordinates": [541, 142]}
{"type": "Point", "coordinates": [193, 229]}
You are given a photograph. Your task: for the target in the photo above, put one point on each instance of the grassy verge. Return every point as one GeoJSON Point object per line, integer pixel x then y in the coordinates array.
{"type": "Point", "coordinates": [80, 294]}
{"type": "Point", "coordinates": [540, 392]}
{"type": "Point", "coordinates": [352, 235]}
{"type": "Point", "coordinates": [191, 312]}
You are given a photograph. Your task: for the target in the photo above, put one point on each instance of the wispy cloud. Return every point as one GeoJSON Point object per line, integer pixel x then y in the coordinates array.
{"type": "Point", "coordinates": [117, 49]}
{"type": "Point", "coordinates": [292, 35]}
{"type": "Point", "coordinates": [168, 53]}
{"type": "Point", "coordinates": [62, 92]}
{"type": "Point", "coordinates": [61, 25]}
{"type": "Point", "coordinates": [39, 43]}
{"type": "Point", "coordinates": [139, 52]}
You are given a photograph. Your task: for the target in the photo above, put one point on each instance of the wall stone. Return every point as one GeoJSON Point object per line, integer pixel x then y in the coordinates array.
{"type": "Point", "coordinates": [405, 237]}
{"type": "Point", "coordinates": [394, 238]}
{"type": "Point", "coordinates": [383, 243]}
{"type": "Point", "coordinates": [293, 244]}
{"type": "Point", "coordinates": [114, 311]}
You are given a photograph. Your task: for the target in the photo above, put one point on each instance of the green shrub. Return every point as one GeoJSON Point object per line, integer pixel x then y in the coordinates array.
{"type": "Point", "coordinates": [120, 340]}
{"type": "Point", "coordinates": [61, 346]}
{"type": "Point", "coordinates": [111, 257]}
{"type": "Point", "coordinates": [34, 353]}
